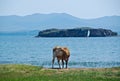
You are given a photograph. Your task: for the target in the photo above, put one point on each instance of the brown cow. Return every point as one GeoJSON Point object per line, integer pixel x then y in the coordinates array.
{"type": "Point", "coordinates": [62, 53]}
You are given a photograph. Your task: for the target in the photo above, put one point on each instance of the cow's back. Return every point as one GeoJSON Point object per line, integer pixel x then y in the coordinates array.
{"type": "Point", "coordinates": [66, 50]}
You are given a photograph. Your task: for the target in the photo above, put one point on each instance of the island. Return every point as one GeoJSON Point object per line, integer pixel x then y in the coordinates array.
{"type": "Point", "coordinates": [77, 32]}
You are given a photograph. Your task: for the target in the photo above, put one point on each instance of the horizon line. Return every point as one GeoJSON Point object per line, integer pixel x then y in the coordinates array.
{"type": "Point", "coordinates": [57, 13]}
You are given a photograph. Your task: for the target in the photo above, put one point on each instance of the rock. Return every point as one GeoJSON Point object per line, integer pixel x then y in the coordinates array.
{"type": "Point", "coordinates": [76, 32]}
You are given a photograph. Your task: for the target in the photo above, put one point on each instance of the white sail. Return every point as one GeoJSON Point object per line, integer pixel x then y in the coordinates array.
{"type": "Point", "coordinates": [88, 33]}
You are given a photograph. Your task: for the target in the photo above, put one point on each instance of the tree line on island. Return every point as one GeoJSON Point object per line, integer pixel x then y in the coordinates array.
{"type": "Point", "coordinates": [77, 32]}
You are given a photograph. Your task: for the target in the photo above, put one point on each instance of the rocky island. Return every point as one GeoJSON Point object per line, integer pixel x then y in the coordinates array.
{"type": "Point", "coordinates": [77, 32]}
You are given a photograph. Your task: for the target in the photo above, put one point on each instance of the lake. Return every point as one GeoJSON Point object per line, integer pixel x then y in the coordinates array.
{"type": "Point", "coordinates": [88, 52]}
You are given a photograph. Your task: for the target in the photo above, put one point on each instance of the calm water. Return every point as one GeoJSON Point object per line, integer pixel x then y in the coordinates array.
{"type": "Point", "coordinates": [85, 52]}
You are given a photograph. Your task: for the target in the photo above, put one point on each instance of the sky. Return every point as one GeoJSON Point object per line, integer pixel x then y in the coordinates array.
{"type": "Point", "coordinates": [79, 8]}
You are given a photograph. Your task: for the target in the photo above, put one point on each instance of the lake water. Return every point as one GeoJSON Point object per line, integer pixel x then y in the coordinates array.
{"type": "Point", "coordinates": [93, 52]}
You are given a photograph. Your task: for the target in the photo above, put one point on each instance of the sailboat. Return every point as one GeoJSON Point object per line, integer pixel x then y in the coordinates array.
{"type": "Point", "coordinates": [88, 33]}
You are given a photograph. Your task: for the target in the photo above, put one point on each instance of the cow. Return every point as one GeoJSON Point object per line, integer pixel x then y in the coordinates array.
{"type": "Point", "coordinates": [61, 53]}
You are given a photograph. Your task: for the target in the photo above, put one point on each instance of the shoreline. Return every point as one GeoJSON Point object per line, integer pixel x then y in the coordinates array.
{"type": "Point", "coordinates": [56, 68]}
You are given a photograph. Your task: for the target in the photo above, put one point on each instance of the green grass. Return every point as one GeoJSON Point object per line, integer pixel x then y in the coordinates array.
{"type": "Point", "coordinates": [35, 73]}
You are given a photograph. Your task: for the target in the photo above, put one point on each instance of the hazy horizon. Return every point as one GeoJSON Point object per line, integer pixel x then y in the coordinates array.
{"type": "Point", "coordinates": [55, 20]}
{"type": "Point", "coordinates": [78, 13]}
{"type": "Point", "coordinates": [80, 8]}
{"type": "Point", "coordinates": [58, 13]}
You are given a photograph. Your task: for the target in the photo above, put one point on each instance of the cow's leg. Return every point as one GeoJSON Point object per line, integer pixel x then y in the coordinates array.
{"type": "Point", "coordinates": [59, 63]}
{"type": "Point", "coordinates": [53, 62]}
{"type": "Point", "coordinates": [66, 63]}
{"type": "Point", "coordinates": [62, 63]}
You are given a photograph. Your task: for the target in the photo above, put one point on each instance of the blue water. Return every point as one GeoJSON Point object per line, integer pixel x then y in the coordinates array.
{"type": "Point", "coordinates": [93, 52]}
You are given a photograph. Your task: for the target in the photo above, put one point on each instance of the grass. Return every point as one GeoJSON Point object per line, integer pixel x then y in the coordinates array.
{"type": "Point", "coordinates": [35, 73]}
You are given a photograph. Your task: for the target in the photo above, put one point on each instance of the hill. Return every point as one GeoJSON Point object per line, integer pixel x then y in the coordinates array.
{"type": "Point", "coordinates": [76, 32]}
{"type": "Point", "coordinates": [55, 20]}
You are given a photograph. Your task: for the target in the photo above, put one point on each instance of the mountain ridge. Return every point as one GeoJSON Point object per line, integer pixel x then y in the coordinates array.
{"type": "Point", "coordinates": [56, 20]}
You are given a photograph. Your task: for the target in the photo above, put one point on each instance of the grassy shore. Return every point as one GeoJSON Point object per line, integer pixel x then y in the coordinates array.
{"type": "Point", "coordinates": [35, 73]}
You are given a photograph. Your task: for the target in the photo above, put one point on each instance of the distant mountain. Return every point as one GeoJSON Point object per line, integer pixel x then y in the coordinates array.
{"type": "Point", "coordinates": [55, 20]}
{"type": "Point", "coordinates": [20, 33]}
{"type": "Point", "coordinates": [109, 22]}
